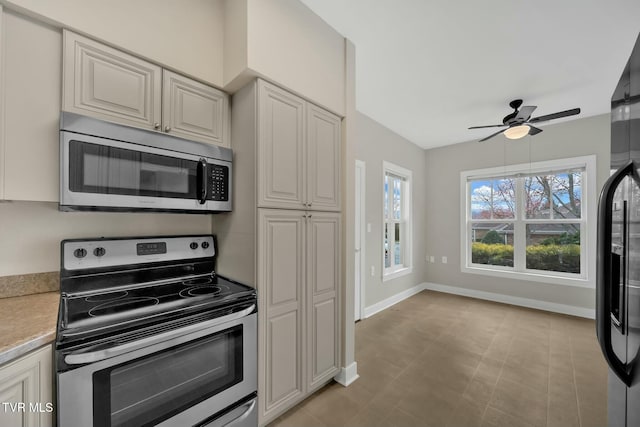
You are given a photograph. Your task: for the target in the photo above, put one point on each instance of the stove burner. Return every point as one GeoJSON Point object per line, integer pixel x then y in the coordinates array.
{"type": "Point", "coordinates": [106, 297]}
{"type": "Point", "coordinates": [196, 291]}
{"type": "Point", "coordinates": [198, 281]}
{"type": "Point", "coordinates": [120, 305]}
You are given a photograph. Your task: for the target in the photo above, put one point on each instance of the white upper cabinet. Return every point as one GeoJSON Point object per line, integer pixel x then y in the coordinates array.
{"type": "Point", "coordinates": [193, 110]}
{"type": "Point", "coordinates": [299, 157]}
{"type": "Point", "coordinates": [281, 155]}
{"type": "Point", "coordinates": [323, 159]}
{"type": "Point", "coordinates": [108, 84]}
{"type": "Point", "coordinates": [30, 86]}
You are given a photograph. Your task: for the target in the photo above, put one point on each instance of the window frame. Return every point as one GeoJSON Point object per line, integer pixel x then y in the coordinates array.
{"type": "Point", "coordinates": [406, 209]}
{"type": "Point", "coordinates": [587, 222]}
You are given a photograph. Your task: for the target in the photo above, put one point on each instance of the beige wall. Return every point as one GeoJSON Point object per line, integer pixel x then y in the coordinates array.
{"type": "Point", "coordinates": [375, 143]}
{"type": "Point", "coordinates": [30, 232]}
{"type": "Point", "coordinates": [183, 35]}
{"type": "Point", "coordinates": [285, 42]}
{"type": "Point", "coordinates": [442, 213]}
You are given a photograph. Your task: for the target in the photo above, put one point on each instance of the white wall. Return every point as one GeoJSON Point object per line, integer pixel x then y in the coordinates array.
{"type": "Point", "coordinates": [235, 43]}
{"type": "Point", "coordinates": [442, 214]}
{"type": "Point", "coordinates": [184, 35]}
{"type": "Point", "coordinates": [286, 43]}
{"type": "Point", "coordinates": [375, 143]}
{"type": "Point", "coordinates": [30, 232]}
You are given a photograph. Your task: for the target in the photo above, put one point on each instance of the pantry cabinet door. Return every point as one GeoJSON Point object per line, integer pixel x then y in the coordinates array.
{"type": "Point", "coordinates": [323, 159]}
{"type": "Point", "coordinates": [108, 84]}
{"type": "Point", "coordinates": [323, 297]}
{"type": "Point", "coordinates": [195, 111]}
{"type": "Point", "coordinates": [281, 243]}
{"type": "Point", "coordinates": [281, 148]}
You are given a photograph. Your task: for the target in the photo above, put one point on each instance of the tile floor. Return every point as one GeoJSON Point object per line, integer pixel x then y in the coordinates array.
{"type": "Point", "coordinates": [440, 360]}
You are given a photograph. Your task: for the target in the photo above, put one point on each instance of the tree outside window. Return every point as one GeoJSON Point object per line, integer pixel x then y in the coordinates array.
{"type": "Point", "coordinates": [529, 221]}
{"type": "Point", "coordinates": [397, 220]}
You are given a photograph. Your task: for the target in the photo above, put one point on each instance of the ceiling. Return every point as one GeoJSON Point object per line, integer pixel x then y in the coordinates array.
{"type": "Point", "coordinates": [429, 69]}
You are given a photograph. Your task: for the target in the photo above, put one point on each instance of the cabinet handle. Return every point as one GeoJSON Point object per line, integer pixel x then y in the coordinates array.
{"type": "Point", "coordinates": [309, 216]}
{"type": "Point", "coordinates": [167, 128]}
{"type": "Point", "coordinates": [156, 125]}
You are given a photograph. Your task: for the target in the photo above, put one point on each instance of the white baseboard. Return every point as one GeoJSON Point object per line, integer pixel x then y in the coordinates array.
{"type": "Point", "coordinates": [347, 375]}
{"type": "Point", "coordinates": [508, 299]}
{"type": "Point", "coordinates": [392, 300]}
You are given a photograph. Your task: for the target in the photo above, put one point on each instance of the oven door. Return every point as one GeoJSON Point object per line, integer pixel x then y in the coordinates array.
{"type": "Point", "coordinates": [181, 381]}
{"type": "Point", "coordinates": [105, 174]}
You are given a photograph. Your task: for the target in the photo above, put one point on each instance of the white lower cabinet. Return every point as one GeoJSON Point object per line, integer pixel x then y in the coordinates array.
{"type": "Point", "coordinates": [26, 390]}
{"type": "Point", "coordinates": [298, 282]}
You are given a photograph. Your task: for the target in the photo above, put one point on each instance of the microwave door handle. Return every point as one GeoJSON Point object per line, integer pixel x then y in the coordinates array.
{"type": "Point", "coordinates": [165, 337]}
{"type": "Point", "coordinates": [202, 181]}
{"type": "Point", "coordinates": [607, 275]}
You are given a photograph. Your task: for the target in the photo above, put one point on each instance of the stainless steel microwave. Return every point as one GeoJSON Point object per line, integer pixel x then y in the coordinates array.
{"type": "Point", "coordinates": [110, 167]}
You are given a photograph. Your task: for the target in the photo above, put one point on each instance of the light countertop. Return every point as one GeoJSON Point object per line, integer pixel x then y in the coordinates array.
{"type": "Point", "coordinates": [26, 323]}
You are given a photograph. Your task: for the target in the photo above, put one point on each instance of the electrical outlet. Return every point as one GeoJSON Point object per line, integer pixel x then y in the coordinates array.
{"type": "Point", "coordinates": [368, 227]}
{"type": "Point", "coordinates": [373, 271]}
{"type": "Point", "coordinates": [432, 259]}
{"type": "Point", "coordinates": [444, 259]}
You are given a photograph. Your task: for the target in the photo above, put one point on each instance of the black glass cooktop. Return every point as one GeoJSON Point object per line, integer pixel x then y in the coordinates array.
{"type": "Point", "coordinates": [113, 306]}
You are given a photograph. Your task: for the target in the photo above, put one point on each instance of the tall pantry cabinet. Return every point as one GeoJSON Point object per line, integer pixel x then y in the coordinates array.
{"type": "Point", "coordinates": [284, 235]}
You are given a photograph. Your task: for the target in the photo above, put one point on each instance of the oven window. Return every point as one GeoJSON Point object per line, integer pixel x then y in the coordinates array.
{"type": "Point", "coordinates": [101, 169]}
{"type": "Point", "coordinates": [148, 390]}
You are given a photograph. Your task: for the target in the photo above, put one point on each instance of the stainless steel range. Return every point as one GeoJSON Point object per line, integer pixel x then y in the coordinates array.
{"type": "Point", "coordinates": [148, 334]}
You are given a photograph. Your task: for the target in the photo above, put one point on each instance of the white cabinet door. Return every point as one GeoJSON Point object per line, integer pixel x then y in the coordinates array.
{"type": "Point", "coordinates": [281, 366]}
{"type": "Point", "coordinates": [29, 109]}
{"type": "Point", "coordinates": [106, 83]}
{"type": "Point", "coordinates": [281, 156]}
{"type": "Point", "coordinates": [323, 309]}
{"type": "Point", "coordinates": [323, 159]}
{"type": "Point", "coordinates": [27, 381]}
{"type": "Point", "coordinates": [195, 111]}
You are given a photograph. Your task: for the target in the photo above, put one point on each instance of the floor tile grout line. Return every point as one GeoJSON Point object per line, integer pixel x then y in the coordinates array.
{"type": "Point", "coordinates": [493, 390]}
{"type": "Point", "coordinates": [575, 383]}
{"type": "Point", "coordinates": [549, 376]}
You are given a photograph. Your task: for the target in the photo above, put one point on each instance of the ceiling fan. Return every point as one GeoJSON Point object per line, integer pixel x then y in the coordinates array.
{"type": "Point", "coordinates": [518, 123]}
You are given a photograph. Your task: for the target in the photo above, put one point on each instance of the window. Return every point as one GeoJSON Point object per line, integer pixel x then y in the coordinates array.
{"type": "Point", "coordinates": [531, 221]}
{"type": "Point", "coordinates": [397, 221]}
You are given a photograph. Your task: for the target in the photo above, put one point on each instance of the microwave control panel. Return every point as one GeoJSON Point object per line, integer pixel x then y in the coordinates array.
{"type": "Point", "coordinates": [218, 183]}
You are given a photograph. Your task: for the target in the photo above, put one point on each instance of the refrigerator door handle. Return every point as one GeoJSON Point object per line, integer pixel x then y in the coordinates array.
{"type": "Point", "coordinates": [606, 273]}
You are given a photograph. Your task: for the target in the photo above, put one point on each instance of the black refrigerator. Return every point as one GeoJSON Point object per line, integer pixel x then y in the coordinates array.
{"type": "Point", "coordinates": [618, 278]}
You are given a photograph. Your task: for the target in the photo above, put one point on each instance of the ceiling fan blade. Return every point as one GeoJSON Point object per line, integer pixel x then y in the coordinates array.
{"type": "Point", "coordinates": [488, 126]}
{"type": "Point", "coordinates": [534, 130]}
{"type": "Point", "coordinates": [557, 115]}
{"type": "Point", "coordinates": [491, 136]}
{"type": "Point", "coordinates": [524, 113]}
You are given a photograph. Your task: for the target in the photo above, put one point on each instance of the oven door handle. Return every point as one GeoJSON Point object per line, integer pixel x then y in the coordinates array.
{"type": "Point", "coordinates": [245, 414]}
{"type": "Point", "coordinates": [95, 356]}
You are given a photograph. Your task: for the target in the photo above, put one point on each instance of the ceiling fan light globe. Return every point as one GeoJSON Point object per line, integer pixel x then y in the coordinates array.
{"type": "Point", "coordinates": [517, 132]}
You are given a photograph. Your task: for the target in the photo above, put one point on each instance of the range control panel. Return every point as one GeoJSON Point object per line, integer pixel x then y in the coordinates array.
{"type": "Point", "coordinates": [97, 253]}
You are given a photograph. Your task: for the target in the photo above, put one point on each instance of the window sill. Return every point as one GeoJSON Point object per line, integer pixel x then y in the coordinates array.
{"type": "Point", "coordinates": [530, 276]}
{"type": "Point", "coordinates": [397, 273]}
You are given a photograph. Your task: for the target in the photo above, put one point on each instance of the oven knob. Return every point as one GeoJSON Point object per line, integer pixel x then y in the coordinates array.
{"type": "Point", "coordinates": [80, 253]}
{"type": "Point", "coordinates": [205, 245]}
{"type": "Point", "coordinates": [194, 245]}
{"type": "Point", "coordinates": [99, 251]}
